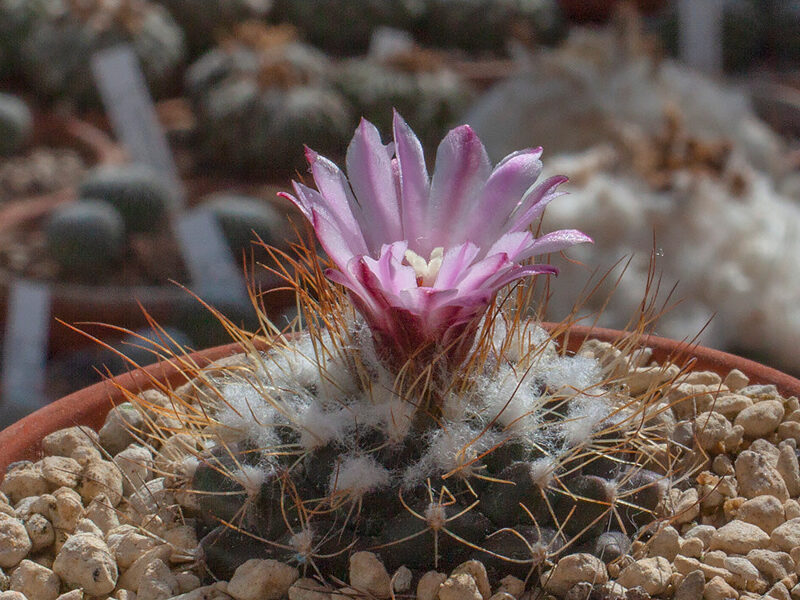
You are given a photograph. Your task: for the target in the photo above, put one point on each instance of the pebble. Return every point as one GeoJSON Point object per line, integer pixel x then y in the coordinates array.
{"type": "Point", "coordinates": [652, 574]}
{"type": "Point", "coordinates": [259, 579]}
{"type": "Point", "coordinates": [35, 581]}
{"type": "Point", "coordinates": [368, 574]}
{"type": "Point", "coordinates": [76, 442]}
{"type": "Point", "coordinates": [102, 514]}
{"type": "Point", "coordinates": [477, 571]}
{"type": "Point", "coordinates": [135, 463]}
{"type": "Point", "coordinates": [772, 564]}
{"type": "Point", "coordinates": [14, 541]}
{"type": "Point", "coordinates": [731, 405]}
{"type": "Point", "coordinates": [86, 562]}
{"type": "Point", "coordinates": [739, 537]}
{"type": "Point", "coordinates": [12, 595]}
{"type": "Point", "coordinates": [789, 468]}
{"type": "Point", "coordinates": [131, 578]}
{"type": "Point", "coordinates": [745, 575]}
{"type": "Point", "coordinates": [701, 532]}
{"type": "Point", "coordinates": [572, 569]}
{"type": "Point", "coordinates": [73, 595]}
{"type": "Point", "coordinates": [157, 582]}
{"type": "Point", "coordinates": [691, 588]}
{"type": "Point", "coordinates": [682, 506]}
{"type": "Point", "coordinates": [761, 419]}
{"type": "Point", "coordinates": [128, 543]}
{"type": "Point", "coordinates": [401, 580]}
{"type": "Point", "coordinates": [308, 589]}
{"type": "Point", "coordinates": [459, 587]}
{"type": "Point", "coordinates": [429, 584]}
{"type": "Point", "coordinates": [67, 510]}
{"type": "Point", "coordinates": [512, 585]}
{"type": "Point", "coordinates": [736, 380]}
{"type": "Point", "coordinates": [789, 430]}
{"type": "Point", "coordinates": [712, 430]}
{"type": "Point", "coordinates": [719, 589]}
{"type": "Point", "coordinates": [60, 471]}
{"type": "Point", "coordinates": [757, 477]}
{"type": "Point", "coordinates": [666, 543]}
{"type": "Point", "coordinates": [40, 531]}
{"type": "Point", "coordinates": [764, 511]}
{"type": "Point", "coordinates": [101, 477]}
{"type": "Point", "coordinates": [786, 536]}
{"type": "Point", "coordinates": [119, 428]}
{"type": "Point", "coordinates": [22, 480]}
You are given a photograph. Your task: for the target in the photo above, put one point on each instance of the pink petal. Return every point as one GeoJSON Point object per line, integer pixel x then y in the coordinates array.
{"type": "Point", "coordinates": [505, 277]}
{"type": "Point", "coordinates": [335, 190]}
{"type": "Point", "coordinates": [369, 169]}
{"type": "Point", "coordinates": [503, 193]}
{"type": "Point", "coordinates": [475, 276]}
{"type": "Point", "coordinates": [534, 203]}
{"type": "Point", "coordinates": [556, 241]}
{"type": "Point", "coordinates": [462, 168]}
{"type": "Point", "coordinates": [393, 275]}
{"type": "Point", "coordinates": [454, 262]}
{"type": "Point", "coordinates": [512, 244]}
{"type": "Point", "coordinates": [413, 177]}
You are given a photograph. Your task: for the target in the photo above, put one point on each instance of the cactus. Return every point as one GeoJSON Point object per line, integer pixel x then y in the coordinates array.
{"type": "Point", "coordinates": [487, 25]}
{"type": "Point", "coordinates": [244, 219]}
{"type": "Point", "coordinates": [55, 53]}
{"type": "Point", "coordinates": [374, 430]}
{"type": "Point", "coordinates": [136, 191]}
{"type": "Point", "coordinates": [341, 26]}
{"type": "Point", "coordinates": [86, 238]}
{"type": "Point", "coordinates": [259, 95]}
{"type": "Point", "coordinates": [204, 21]}
{"type": "Point", "coordinates": [432, 97]}
{"type": "Point", "coordinates": [16, 124]}
{"type": "Point", "coordinates": [16, 19]}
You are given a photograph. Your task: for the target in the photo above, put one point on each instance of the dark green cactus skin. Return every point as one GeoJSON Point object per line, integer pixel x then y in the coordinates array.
{"type": "Point", "coordinates": [344, 27]}
{"type": "Point", "coordinates": [136, 191]}
{"type": "Point", "coordinates": [431, 101]}
{"type": "Point", "coordinates": [252, 122]}
{"type": "Point", "coordinates": [244, 219]}
{"type": "Point", "coordinates": [55, 51]}
{"type": "Point", "coordinates": [16, 19]}
{"type": "Point", "coordinates": [476, 518]}
{"type": "Point", "coordinates": [481, 26]}
{"type": "Point", "coordinates": [85, 238]}
{"type": "Point", "coordinates": [16, 124]}
{"type": "Point", "coordinates": [203, 21]}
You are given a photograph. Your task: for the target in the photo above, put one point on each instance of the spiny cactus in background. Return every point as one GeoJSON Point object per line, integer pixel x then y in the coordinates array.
{"type": "Point", "coordinates": [16, 18]}
{"type": "Point", "coordinates": [259, 94]}
{"type": "Point", "coordinates": [243, 219]}
{"type": "Point", "coordinates": [86, 238]}
{"type": "Point", "coordinates": [16, 124]}
{"type": "Point", "coordinates": [343, 27]}
{"type": "Point", "coordinates": [205, 21]}
{"type": "Point", "coordinates": [487, 25]}
{"type": "Point", "coordinates": [414, 82]}
{"type": "Point", "coordinates": [136, 191]}
{"type": "Point", "coordinates": [418, 416]}
{"type": "Point", "coordinates": [55, 51]}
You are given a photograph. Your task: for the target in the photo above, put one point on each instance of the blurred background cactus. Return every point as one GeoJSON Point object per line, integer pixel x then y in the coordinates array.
{"type": "Point", "coordinates": [55, 39]}
{"type": "Point", "coordinates": [16, 124]}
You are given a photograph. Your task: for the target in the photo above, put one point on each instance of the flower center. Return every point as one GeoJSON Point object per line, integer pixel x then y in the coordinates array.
{"type": "Point", "coordinates": [426, 270]}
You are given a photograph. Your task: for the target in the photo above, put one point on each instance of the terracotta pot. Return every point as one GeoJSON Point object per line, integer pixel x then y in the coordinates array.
{"type": "Point", "coordinates": [90, 405]}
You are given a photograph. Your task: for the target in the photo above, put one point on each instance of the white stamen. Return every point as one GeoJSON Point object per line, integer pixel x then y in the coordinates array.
{"type": "Point", "coordinates": [426, 270]}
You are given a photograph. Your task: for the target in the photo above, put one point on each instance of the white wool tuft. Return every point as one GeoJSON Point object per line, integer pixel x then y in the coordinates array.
{"type": "Point", "coordinates": [357, 475]}
{"type": "Point", "coordinates": [584, 416]}
{"type": "Point", "coordinates": [510, 398]}
{"type": "Point", "coordinates": [251, 478]}
{"type": "Point", "coordinates": [450, 448]}
{"type": "Point", "coordinates": [319, 426]}
{"type": "Point", "coordinates": [570, 372]}
{"type": "Point", "coordinates": [247, 412]}
{"type": "Point", "coordinates": [542, 471]}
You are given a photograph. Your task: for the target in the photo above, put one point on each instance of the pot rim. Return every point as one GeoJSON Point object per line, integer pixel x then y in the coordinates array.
{"type": "Point", "coordinates": [90, 405]}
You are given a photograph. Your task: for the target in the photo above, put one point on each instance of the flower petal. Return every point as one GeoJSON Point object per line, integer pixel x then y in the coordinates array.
{"type": "Point", "coordinates": [534, 203]}
{"type": "Point", "coordinates": [413, 177]}
{"type": "Point", "coordinates": [504, 191]}
{"type": "Point", "coordinates": [462, 168]}
{"type": "Point", "coordinates": [455, 261]}
{"type": "Point", "coordinates": [556, 241]}
{"type": "Point", "coordinates": [369, 169]}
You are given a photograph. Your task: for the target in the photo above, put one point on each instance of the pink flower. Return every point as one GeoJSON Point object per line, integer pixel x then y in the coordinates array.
{"type": "Point", "coordinates": [423, 257]}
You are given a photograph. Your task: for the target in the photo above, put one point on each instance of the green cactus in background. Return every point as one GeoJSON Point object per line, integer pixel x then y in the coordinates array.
{"type": "Point", "coordinates": [244, 219]}
{"type": "Point", "coordinates": [16, 124]}
{"type": "Point", "coordinates": [86, 238]}
{"type": "Point", "coordinates": [261, 93]}
{"type": "Point", "coordinates": [136, 191]}
{"type": "Point", "coordinates": [205, 21]}
{"type": "Point", "coordinates": [55, 51]}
